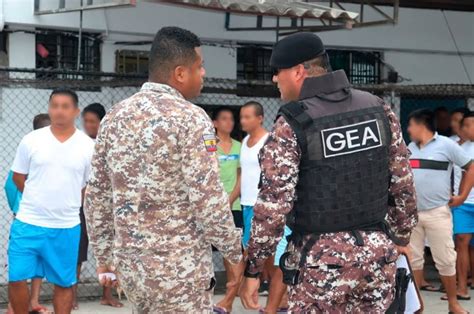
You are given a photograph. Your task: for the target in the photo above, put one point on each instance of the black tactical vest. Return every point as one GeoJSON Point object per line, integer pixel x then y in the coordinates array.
{"type": "Point", "coordinates": [344, 175]}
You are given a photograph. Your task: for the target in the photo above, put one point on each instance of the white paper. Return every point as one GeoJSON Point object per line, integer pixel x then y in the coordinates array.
{"type": "Point", "coordinates": [412, 302]}
{"type": "Point", "coordinates": [110, 276]}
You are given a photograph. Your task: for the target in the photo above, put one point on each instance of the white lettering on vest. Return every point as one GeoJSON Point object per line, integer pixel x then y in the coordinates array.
{"type": "Point", "coordinates": [351, 138]}
{"type": "Point", "coordinates": [369, 134]}
{"type": "Point", "coordinates": [341, 142]}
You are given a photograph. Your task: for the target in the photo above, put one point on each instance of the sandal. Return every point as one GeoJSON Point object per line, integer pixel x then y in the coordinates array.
{"type": "Point", "coordinates": [219, 310]}
{"type": "Point", "coordinates": [459, 297]}
{"type": "Point", "coordinates": [429, 288]}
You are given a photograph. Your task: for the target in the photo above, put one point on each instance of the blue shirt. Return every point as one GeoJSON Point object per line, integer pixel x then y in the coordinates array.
{"type": "Point", "coordinates": [12, 193]}
{"type": "Point", "coordinates": [432, 166]}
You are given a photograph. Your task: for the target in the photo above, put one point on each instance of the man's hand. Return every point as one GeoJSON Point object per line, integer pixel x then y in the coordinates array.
{"type": "Point", "coordinates": [456, 200]}
{"type": "Point", "coordinates": [404, 250]}
{"type": "Point", "coordinates": [249, 293]}
{"type": "Point", "coordinates": [106, 281]}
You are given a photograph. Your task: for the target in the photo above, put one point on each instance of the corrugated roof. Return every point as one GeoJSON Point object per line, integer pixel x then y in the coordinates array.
{"type": "Point", "coordinates": [289, 8]}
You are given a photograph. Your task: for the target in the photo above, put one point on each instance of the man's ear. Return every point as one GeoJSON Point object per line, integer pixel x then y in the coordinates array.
{"type": "Point", "coordinates": [300, 72]}
{"type": "Point", "coordinates": [180, 74]}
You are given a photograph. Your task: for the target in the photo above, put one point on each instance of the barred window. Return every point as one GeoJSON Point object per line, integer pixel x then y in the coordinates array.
{"type": "Point", "coordinates": [131, 62]}
{"type": "Point", "coordinates": [58, 50]}
{"type": "Point", "coordinates": [253, 63]}
{"type": "Point", "coordinates": [361, 67]}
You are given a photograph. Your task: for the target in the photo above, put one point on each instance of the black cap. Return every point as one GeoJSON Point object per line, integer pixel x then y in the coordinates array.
{"type": "Point", "coordinates": [296, 49]}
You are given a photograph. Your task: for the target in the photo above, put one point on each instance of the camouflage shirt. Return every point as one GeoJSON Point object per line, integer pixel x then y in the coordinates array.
{"type": "Point", "coordinates": [279, 160]}
{"type": "Point", "coordinates": [155, 187]}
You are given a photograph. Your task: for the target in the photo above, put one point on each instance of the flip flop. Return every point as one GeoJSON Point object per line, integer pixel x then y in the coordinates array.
{"type": "Point", "coordinates": [429, 288]}
{"type": "Point", "coordinates": [459, 297]}
{"type": "Point", "coordinates": [219, 310]}
{"type": "Point", "coordinates": [280, 310]}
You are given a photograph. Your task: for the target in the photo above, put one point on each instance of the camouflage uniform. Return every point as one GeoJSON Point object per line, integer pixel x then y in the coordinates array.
{"type": "Point", "coordinates": [155, 203]}
{"type": "Point", "coordinates": [339, 276]}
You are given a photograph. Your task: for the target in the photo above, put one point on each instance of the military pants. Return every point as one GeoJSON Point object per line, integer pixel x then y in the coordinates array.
{"type": "Point", "coordinates": [151, 291]}
{"type": "Point", "coordinates": [365, 288]}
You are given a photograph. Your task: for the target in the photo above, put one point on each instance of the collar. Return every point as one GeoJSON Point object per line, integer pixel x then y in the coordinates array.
{"type": "Point", "coordinates": [324, 84]}
{"type": "Point", "coordinates": [434, 138]}
{"type": "Point", "coordinates": [161, 88]}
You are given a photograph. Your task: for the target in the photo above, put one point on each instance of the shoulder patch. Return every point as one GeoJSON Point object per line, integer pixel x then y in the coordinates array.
{"type": "Point", "coordinates": [210, 142]}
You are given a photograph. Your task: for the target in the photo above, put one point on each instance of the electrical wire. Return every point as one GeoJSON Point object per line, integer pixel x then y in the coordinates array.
{"type": "Point", "coordinates": [457, 48]}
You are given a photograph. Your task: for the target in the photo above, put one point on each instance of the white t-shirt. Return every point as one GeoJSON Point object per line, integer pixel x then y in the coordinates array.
{"type": "Point", "coordinates": [57, 173]}
{"type": "Point", "coordinates": [250, 168]}
{"type": "Point", "coordinates": [468, 147]}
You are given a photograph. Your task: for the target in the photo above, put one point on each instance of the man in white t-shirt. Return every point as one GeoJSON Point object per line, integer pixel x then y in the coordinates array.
{"type": "Point", "coordinates": [251, 119]}
{"type": "Point", "coordinates": [51, 169]}
{"type": "Point", "coordinates": [463, 216]}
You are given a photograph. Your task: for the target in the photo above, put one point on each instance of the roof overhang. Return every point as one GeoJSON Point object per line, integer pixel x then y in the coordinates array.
{"type": "Point", "coordinates": [281, 8]}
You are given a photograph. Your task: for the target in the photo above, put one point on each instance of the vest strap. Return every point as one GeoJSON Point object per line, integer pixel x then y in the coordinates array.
{"type": "Point", "coordinates": [296, 116]}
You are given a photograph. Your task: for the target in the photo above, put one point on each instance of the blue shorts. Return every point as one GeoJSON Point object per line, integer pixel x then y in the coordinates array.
{"type": "Point", "coordinates": [463, 219]}
{"type": "Point", "coordinates": [281, 247]}
{"type": "Point", "coordinates": [37, 252]}
{"type": "Point", "coordinates": [247, 211]}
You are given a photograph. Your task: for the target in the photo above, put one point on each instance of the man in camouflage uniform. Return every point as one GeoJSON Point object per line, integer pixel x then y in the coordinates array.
{"type": "Point", "coordinates": [340, 271]}
{"type": "Point", "coordinates": [155, 203]}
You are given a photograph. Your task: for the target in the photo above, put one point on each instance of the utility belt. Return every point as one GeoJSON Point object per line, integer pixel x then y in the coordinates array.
{"type": "Point", "coordinates": [290, 264]}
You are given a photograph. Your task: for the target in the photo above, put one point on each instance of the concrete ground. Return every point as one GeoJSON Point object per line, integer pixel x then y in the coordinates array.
{"type": "Point", "coordinates": [433, 305]}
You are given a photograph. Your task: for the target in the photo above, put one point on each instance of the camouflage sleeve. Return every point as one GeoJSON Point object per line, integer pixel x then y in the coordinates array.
{"type": "Point", "coordinates": [279, 162]}
{"type": "Point", "coordinates": [209, 201]}
{"type": "Point", "coordinates": [402, 215]}
{"type": "Point", "coordinates": [98, 207]}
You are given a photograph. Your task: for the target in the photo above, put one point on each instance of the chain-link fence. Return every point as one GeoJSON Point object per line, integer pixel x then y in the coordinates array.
{"type": "Point", "coordinates": [25, 93]}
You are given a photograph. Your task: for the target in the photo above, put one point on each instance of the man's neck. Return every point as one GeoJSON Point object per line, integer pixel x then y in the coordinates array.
{"type": "Point", "coordinates": [224, 137]}
{"type": "Point", "coordinates": [426, 137]}
{"type": "Point", "coordinates": [63, 129]}
{"type": "Point", "coordinates": [258, 132]}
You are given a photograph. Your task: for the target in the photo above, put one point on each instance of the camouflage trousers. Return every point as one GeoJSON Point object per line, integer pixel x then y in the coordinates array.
{"type": "Point", "coordinates": [365, 288]}
{"type": "Point", "coordinates": [151, 291]}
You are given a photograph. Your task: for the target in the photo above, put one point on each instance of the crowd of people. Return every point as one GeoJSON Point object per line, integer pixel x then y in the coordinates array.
{"type": "Point", "coordinates": [442, 170]}
{"type": "Point", "coordinates": [135, 183]}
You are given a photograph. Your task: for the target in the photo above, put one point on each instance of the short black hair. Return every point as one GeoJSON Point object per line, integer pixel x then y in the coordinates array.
{"type": "Point", "coordinates": [424, 116]}
{"type": "Point", "coordinates": [256, 105]}
{"type": "Point", "coordinates": [41, 120]}
{"type": "Point", "coordinates": [219, 110]}
{"type": "Point", "coordinates": [468, 115]}
{"type": "Point", "coordinates": [65, 91]}
{"type": "Point", "coordinates": [172, 46]}
{"type": "Point", "coordinates": [95, 108]}
{"type": "Point", "coordinates": [461, 110]}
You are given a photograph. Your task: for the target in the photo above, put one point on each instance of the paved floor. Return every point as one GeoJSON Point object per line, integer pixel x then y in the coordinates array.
{"type": "Point", "coordinates": [433, 305]}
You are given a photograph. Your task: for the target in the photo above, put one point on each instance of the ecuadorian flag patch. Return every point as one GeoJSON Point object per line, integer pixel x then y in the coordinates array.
{"type": "Point", "coordinates": [210, 142]}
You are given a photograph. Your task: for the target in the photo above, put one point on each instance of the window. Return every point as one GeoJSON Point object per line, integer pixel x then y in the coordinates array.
{"type": "Point", "coordinates": [131, 62]}
{"type": "Point", "coordinates": [253, 63]}
{"type": "Point", "coordinates": [361, 67]}
{"type": "Point", "coordinates": [58, 50]}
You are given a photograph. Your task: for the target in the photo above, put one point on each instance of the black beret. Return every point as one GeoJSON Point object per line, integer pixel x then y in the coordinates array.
{"type": "Point", "coordinates": [295, 49]}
